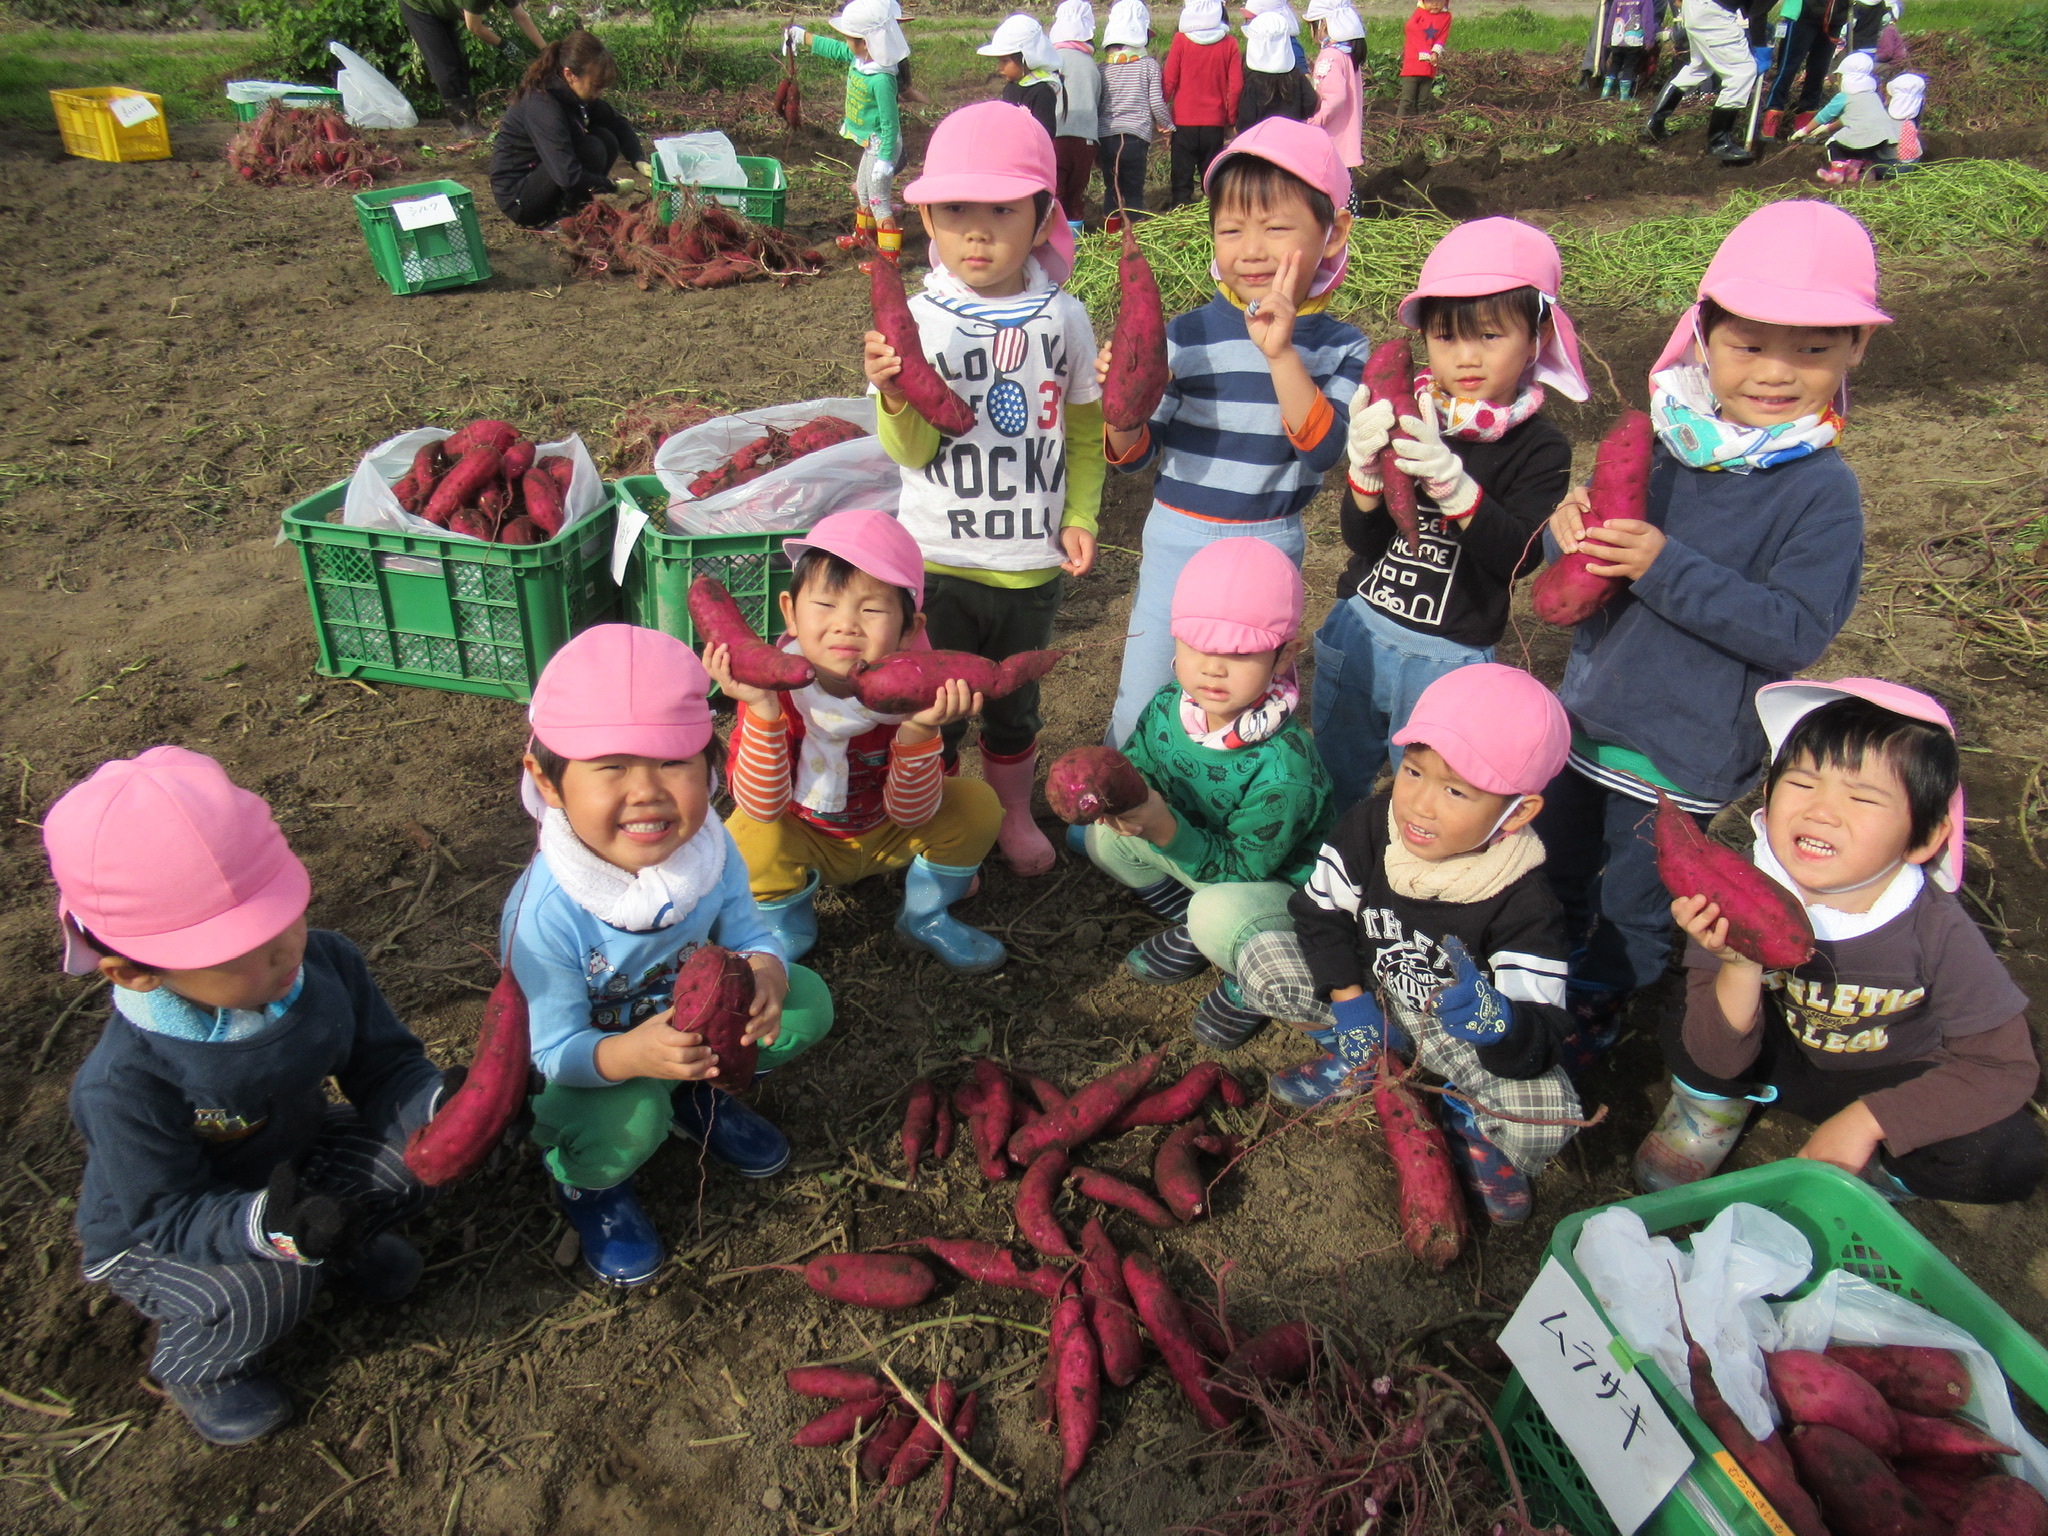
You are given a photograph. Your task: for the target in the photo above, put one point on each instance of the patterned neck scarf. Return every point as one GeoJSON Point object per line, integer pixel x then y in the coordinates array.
{"type": "Point", "coordinates": [164, 1012]}
{"type": "Point", "coordinates": [1479, 421]}
{"type": "Point", "coordinates": [1257, 723]}
{"type": "Point", "coordinates": [1685, 413]}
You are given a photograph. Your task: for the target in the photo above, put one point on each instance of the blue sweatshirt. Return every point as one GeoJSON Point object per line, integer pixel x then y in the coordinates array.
{"type": "Point", "coordinates": [1760, 572]}
{"type": "Point", "coordinates": [585, 979]}
{"type": "Point", "coordinates": [182, 1135]}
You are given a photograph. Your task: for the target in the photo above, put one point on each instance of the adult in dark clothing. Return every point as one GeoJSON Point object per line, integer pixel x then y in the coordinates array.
{"type": "Point", "coordinates": [432, 24]}
{"type": "Point", "coordinates": [1812, 29]}
{"type": "Point", "coordinates": [559, 140]}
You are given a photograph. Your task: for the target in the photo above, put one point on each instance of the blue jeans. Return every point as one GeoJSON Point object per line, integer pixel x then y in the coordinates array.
{"type": "Point", "coordinates": [1171, 540]}
{"type": "Point", "coordinates": [1369, 673]}
{"type": "Point", "coordinates": [1601, 855]}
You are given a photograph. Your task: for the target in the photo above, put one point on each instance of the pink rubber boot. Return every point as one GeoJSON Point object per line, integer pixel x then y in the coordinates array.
{"type": "Point", "coordinates": [1012, 779]}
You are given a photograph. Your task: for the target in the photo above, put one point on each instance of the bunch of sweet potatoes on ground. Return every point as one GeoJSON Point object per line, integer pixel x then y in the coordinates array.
{"type": "Point", "coordinates": [772, 450]}
{"type": "Point", "coordinates": [707, 246]}
{"type": "Point", "coordinates": [284, 143]}
{"type": "Point", "coordinates": [488, 481]}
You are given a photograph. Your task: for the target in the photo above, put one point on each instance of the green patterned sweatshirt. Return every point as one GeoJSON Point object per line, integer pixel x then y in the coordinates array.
{"type": "Point", "coordinates": [870, 118]}
{"type": "Point", "coordinates": [1254, 813]}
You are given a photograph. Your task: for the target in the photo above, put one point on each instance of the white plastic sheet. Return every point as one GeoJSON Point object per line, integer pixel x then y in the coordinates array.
{"type": "Point", "coordinates": [856, 473]}
{"type": "Point", "coordinates": [370, 503]}
{"type": "Point", "coordinates": [700, 160]}
{"type": "Point", "coordinates": [368, 100]}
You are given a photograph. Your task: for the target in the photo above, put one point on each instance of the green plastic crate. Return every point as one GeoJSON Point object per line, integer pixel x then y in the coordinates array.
{"type": "Point", "coordinates": [307, 96]}
{"type": "Point", "coordinates": [445, 612]}
{"type": "Point", "coordinates": [423, 260]}
{"type": "Point", "coordinates": [764, 199]}
{"type": "Point", "coordinates": [663, 564]}
{"type": "Point", "coordinates": [1850, 1227]}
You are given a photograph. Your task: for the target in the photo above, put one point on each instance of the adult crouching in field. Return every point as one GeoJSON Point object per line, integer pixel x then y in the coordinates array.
{"type": "Point", "coordinates": [559, 139]}
{"type": "Point", "coordinates": [432, 25]}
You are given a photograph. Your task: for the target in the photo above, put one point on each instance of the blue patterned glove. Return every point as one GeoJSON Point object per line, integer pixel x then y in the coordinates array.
{"type": "Point", "coordinates": [1360, 1030]}
{"type": "Point", "coordinates": [1471, 1007]}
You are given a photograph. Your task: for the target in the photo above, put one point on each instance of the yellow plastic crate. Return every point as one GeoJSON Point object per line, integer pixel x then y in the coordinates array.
{"type": "Point", "coordinates": [86, 119]}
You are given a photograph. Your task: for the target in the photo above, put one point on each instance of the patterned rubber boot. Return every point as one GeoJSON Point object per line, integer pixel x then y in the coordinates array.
{"type": "Point", "coordinates": [1166, 899]}
{"type": "Point", "coordinates": [1223, 1022]}
{"type": "Point", "coordinates": [1502, 1188]}
{"type": "Point", "coordinates": [1166, 958]}
{"type": "Point", "coordinates": [1607, 87]}
{"type": "Point", "coordinates": [888, 247]}
{"type": "Point", "coordinates": [1598, 1014]}
{"type": "Point", "coordinates": [1328, 1079]}
{"type": "Point", "coordinates": [863, 232]}
{"type": "Point", "coordinates": [1691, 1139]}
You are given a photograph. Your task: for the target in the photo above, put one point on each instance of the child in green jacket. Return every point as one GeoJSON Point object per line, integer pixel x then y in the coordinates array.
{"type": "Point", "coordinates": [1239, 801]}
{"type": "Point", "coordinates": [872, 58]}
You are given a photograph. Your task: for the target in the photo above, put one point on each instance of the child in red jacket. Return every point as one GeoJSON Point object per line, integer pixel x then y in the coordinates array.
{"type": "Point", "coordinates": [1203, 79]}
{"type": "Point", "coordinates": [1422, 45]}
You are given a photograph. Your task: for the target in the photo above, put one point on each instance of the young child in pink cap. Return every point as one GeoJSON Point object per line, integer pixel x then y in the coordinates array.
{"type": "Point", "coordinates": [1251, 420]}
{"type": "Point", "coordinates": [222, 1187]}
{"type": "Point", "coordinates": [828, 791]}
{"type": "Point", "coordinates": [632, 874]}
{"type": "Point", "coordinates": [1747, 565]}
{"type": "Point", "coordinates": [1239, 800]}
{"type": "Point", "coordinates": [1415, 891]}
{"type": "Point", "coordinates": [1489, 468]}
{"type": "Point", "coordinates": [1902, 1040]}
{"type": "Point", "coordinates": [1002, 512]}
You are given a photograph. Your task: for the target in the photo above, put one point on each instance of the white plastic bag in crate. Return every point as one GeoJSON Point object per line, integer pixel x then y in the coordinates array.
{"type": "Point", "coordinates": [851, 474]}
{"type": "Point", "coordinates": [371, 504]}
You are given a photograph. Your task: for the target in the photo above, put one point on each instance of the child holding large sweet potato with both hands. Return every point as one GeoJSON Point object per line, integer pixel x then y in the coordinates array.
{"type": "Point", "coordinates": [1745, 565]}
{"type": "Point", "coordinates": [1901, 1038]}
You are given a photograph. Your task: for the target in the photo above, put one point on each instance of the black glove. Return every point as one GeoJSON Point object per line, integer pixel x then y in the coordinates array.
{"type": "Point", "coordinates": [511, 50]}
{"type": "Point", "coordinates": [452, 1079]}
{"type": "Point", "coordinates": [306, 1224]}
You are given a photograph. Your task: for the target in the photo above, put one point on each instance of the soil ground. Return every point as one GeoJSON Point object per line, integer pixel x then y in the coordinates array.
{"type": "Point", "coordinates": [190, 355]}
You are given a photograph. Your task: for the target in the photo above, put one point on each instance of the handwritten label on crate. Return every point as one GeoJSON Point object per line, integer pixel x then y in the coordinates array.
{"type": "Point", "coordinates": [129, 111]}
{"type": "Point", "coordinates": [1587, 1384]}
{"type": "Point", "coordinates": [423, 212]}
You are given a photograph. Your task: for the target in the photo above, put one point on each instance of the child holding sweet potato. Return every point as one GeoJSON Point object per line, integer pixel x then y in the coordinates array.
{"type": "Point", "coordinates": [631, 874]}
{"type": "Point", "coordinates": [874, 52]}
{"type": "Point", "coordinates": [828, 791]}
{"type": "Point", "coordinates": [1902, 1039]}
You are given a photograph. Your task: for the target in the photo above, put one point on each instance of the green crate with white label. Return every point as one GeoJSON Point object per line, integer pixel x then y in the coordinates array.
{"type": "Point", "coordinates": [425, 237]}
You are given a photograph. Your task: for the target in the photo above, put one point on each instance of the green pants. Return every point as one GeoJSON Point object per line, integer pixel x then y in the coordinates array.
{"type": "Point", "coordinates": [598, 1137]}
{"type": "Point", "coordinates": [1222, 917]}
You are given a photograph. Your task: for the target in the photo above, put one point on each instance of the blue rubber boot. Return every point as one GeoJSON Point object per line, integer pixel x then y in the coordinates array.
{"type": "Point", "coordinates": [383, 1271]}
{"type": "Point", "coordinates": [794, 920]}
{"type": "Point", "coordinates": [1222, 1021]}
{"type": "Point", "coordinates": [1166, 958]}
{"type": "Point", "coordinates": [1597, 1014]}
{"type": "Point", "coordinates": [236, 1412]}
{"type": "Point", "coordinates": [1077, 839]}
{"type": "Point", "coordinates": [1501, 1187]}
{"type": "Point", "coordinates": [619, 1242]}
{"type": "Point", "coordinates": [746, 1142]}
{"type": "Point", "coordinates": [928, 890]}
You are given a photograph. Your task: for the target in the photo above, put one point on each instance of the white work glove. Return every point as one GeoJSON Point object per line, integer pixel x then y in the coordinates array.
{"type": "Point", "coordinates": [1372, 427]}
{"type": "Point", "coordinates": [884, 170]}
{"type": "Point", "coordinates": [1429, 459]}
{"type": "Point", "coordinates": [793, 38]}
{"type": "Point", "coordinates": [644, 169]}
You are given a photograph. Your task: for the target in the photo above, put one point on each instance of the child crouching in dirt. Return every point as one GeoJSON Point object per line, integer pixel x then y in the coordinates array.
{"type": "Point", "coordinates": [1416, 891]}
{"type": "Point", "coordinates": [222, 1186]}
{"type": "Point", "coordinates": [1239, 800]}
{"type": "Point", "coordinates": [1002, 511]}
{"type": "Point", "coordinates": [828, 791]}
{"type": "Point", "coordinates": [632, 874]}
{"type": "Point", "coordinates": [1902, 1040]}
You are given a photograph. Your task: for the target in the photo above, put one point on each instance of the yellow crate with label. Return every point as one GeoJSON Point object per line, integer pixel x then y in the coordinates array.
{"type": "Point", "coordinates": [112, 122]}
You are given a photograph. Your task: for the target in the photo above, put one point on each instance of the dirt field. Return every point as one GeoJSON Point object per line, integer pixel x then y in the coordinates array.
{"type": "Point", "coordinates": [188, 356]}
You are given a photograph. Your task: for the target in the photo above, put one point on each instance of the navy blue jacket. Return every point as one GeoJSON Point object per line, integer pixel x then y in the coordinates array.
{"type": "Point", "coordinates": [181, 1136]}
{"type": "Point", "coordinates": [1760, 573]}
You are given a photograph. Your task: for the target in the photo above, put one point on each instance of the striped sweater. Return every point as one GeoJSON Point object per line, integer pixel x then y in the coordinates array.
{"type": "Point", "coordinates": [1132, 101]}
{"type": "Point", "coordinates": [1222, 448]}
{"type": "Point", "coordinates": [886, 781]}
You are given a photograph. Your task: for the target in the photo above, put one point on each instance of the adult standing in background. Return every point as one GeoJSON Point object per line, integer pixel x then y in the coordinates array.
{"type": "Point", "coordinates": [432, 25]}
{"type": "Point", "coordinates": [1073, 145]}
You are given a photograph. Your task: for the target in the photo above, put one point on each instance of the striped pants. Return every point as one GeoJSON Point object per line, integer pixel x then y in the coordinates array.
{"type": "Point", "coordinates": [214, 1321]}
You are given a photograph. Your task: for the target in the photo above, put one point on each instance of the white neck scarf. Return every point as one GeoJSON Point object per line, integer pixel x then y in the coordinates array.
{"type": "Point", "coordinates": [1463, 878]}
{"type": "Point", "coordinates": [656, 897]}
{"type": "Point", "coordinates": [1832, 923]}
{"type": "Point", "coordinates": [830, 723]}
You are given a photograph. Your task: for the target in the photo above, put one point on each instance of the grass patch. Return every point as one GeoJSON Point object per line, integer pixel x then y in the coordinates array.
{"type": "Point", "coordinates": [187, 69]}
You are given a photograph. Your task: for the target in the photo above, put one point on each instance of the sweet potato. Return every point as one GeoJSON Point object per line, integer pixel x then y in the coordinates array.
{"type": "Point", "coordinates": [998, 1113]}
{"type": "Point", "coordinates": [517, 460]}
{"type": "Point", "coordinates": [1043, 1093]}
{"type": "Point", "coordinates": [1210, 1336]}
{"type": "Point", "coordinates": [1137, 369]}
{"type": "Point", "coordinates": [521, 530]}
{"type": "Point", "coordinates": [1170, 1105]}
{"type": "Point", "coordinates": [928, 394]}
{"type": "Point", "coordinates": [920, 1449]}
{"type": "Point", "coordinates": [1812, 1389]}
{"type": "Point", "coordinates": [714, 989]}
{"type": "Point", "coordinates": [1087, 1112]}
{"type": "Point", "coordinates": [905, 682]}
{"type": "Point", "coordinates": [1567, 591]}
{"type": "Point", "coordinates": [838, 1425]}
{"type": "Point", "coordinates": [1942, 1492]}
{"type": "Point", "coordinates": [718, 621]}
{"type": "Point", "coordinates": [464, 1129]}
{"type": "Point", "coordinates": [1858, 1494]}
{"type": "Point", "coordinates": [1282, 1353]}
{"type": "Point", "coordinates": [1035, 1219]}
{"type": "Point", "coordinates": [1175, 1174]}
{"type": "Point", "coordinates": [543, 500]}
{"type": "Point", "coordinates": [880, 1451]}
{"type": "Point", "coordinates": [1088, 783]}
{"type": "Point", "coordinates": [1919, 1435]}
{"type": "Point", "coordinates": [2002, 1506]}
{"type": "Point", "coordinates": [919, 1110]}
{"type": "Point", "coordinates": [1109, 1306]}
{"type": "Point", "coordinates": [428, 466]}
{"type": "Point", "coordinates": [1014, 671]}
{"type": "Point", "coordinates": [499, 435]}
{"type": "Point", "coordinates": [1390, 376]}
{"type": "Point", "coordinates": [559, 468]}
{"type": "Point", "coordinates": [407, 491]}
{"type": "Point", "coordinates": [963, 1431]}
{"type": "Point", "coordinates": [468, 520]}
{"type": "Point", "coordinates": [988, 1264]}
{"type": "Point", "coordinates": [463, 484]}
{"type": "Point", "coordinates": [1108, 1189]}
{"type": "Point", "coordinates": [942, 1129]}
{"type": "Point", "coordinates": [1969, 1468]}
{"type": "Point", "coordinates": [884, 1281]}
{"type": "Point", "coordinates": [1433, 1223]}
{"type": "Point", "coordinates": [1766, 922]}
{"type": "Point", "coordinates": [1235, 1094]}
{"type": "Point", "coordinates": [1167, 1321]}
{"type": "Point", "coordinates": [1768, 1466]}
{"type": "Point", "coordinates": [1918, 1379]}
{"type": "Point", "coordinates": [832, 1381]}
{"type": "Point", "coordinates": [1077, 1385]}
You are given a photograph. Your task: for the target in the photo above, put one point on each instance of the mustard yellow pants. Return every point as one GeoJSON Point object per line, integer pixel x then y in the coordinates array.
{"type": "Point", "coordinates": [781, 854]}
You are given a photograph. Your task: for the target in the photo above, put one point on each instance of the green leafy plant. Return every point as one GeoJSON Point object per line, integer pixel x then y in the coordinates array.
{"type": "Point", "coordinates": [299, 31]}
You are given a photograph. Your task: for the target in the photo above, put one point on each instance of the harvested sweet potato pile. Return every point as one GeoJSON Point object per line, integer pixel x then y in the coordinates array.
{"type": "Point", "coordinates": [772, 452]}
{"type": "Point", "coordinates": [706, 247]}
{"type": "Point", "coordinates": [306, 144]}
